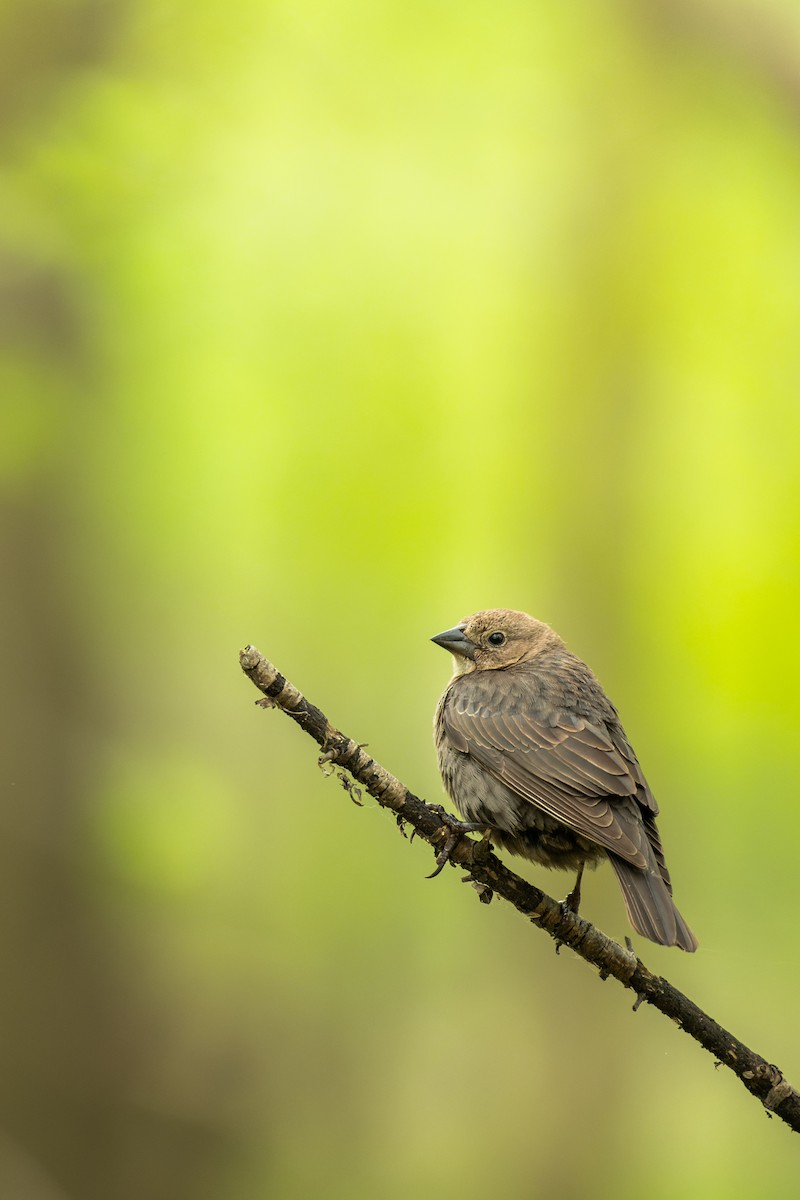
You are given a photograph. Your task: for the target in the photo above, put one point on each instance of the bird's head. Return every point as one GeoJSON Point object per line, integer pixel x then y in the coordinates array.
{"type": "Point", "coordinates": [494, 639]}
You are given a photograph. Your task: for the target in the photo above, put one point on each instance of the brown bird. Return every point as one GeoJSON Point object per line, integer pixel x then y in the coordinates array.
{"type": "Point", "coordinates": [531, 748]}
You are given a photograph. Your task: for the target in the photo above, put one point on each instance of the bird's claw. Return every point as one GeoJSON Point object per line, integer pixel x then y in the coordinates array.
{"type": "Point", "coordinates": [572, 902]}
{"type": "Point", "coordinates": [443, 857]}
{"type": "Point", "coordinates": [567, 907]}
{"type": "Point", "coordinates": [455, 832]}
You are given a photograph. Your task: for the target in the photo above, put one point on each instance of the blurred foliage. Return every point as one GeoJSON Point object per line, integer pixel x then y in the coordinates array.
{"type": "Point", "coordinates": [322, 326]}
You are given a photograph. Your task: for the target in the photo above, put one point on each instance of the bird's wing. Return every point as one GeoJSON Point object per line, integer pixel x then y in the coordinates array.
{"type": "Point", "coordinates": [575, 770]}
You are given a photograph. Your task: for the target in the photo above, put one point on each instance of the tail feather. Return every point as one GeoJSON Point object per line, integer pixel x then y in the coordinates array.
{"type": "Point", "coordinates": [651, 910]}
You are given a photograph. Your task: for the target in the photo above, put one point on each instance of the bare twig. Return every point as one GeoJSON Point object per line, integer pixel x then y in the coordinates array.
{"type": "Point", "coordinates": [490, 876]}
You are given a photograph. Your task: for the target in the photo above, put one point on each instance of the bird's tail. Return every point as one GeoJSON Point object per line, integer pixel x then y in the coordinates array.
{"type": "Point", "coordinates": [651, 910]}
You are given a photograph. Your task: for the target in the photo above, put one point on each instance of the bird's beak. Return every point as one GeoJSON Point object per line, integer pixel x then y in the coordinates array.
{"type": "Point", "coordinates": [455, 641]}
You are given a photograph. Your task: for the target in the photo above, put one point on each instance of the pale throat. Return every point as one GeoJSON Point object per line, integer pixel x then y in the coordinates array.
{"type": "Point", "coordinates": [464, 666]}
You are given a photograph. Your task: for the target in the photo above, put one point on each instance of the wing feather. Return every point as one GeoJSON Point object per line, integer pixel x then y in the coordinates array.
{"type": "Point", "coordinates": [580, 772]}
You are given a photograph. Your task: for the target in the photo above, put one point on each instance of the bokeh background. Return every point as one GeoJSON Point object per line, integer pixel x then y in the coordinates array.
{"type": "Point", "coordinates": [322, 326]}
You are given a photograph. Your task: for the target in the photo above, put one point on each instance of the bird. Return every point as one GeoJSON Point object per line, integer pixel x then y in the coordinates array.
{"type": "Point", "coordinates": [531, 749]}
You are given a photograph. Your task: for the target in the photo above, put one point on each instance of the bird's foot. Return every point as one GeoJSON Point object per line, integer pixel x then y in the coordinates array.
{"type": "Point", "coordinates": [454, 831]}
{"type": "Point", "coordinates": [572, 902]}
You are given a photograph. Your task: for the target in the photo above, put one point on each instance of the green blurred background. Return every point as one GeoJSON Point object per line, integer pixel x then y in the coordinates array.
{"type": "Point", "coordinates": [324, 325]}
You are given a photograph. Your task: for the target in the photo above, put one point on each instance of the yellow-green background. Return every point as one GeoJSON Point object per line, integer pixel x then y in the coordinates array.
{"type": "Point", "coordinates": [323, 325]}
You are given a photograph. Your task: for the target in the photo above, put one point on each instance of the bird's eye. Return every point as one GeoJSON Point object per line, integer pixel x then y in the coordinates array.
{"type": "Point", "coordinates": [496, 639]}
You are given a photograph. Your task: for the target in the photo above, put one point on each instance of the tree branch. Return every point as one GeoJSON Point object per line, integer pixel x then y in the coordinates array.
{"type": "Point", "coordinates": [489, 876]}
